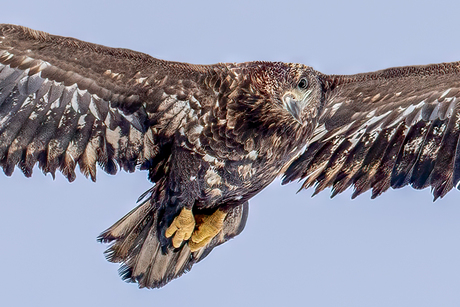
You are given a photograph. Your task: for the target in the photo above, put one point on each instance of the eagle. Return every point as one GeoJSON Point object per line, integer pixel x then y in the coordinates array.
{"type": "Point", "coordinates": [213, 136]}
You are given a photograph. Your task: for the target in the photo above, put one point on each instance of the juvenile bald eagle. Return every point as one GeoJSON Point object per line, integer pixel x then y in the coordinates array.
{"type": "Point", "coordinates": [213, 136]}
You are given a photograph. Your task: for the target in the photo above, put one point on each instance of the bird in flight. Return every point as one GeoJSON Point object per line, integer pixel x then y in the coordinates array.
{"type": "Point", "coordinates": [213, 136]}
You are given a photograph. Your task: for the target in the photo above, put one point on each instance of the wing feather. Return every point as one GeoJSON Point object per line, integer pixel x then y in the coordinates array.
{"type": "Point", "coordinates": [64, 102]}
{"type": "Point", "coordinates": [389, 128]}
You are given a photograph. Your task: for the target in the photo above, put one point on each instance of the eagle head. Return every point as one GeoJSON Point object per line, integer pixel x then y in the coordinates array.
{"type": "Point", "coordinates": [291, 92]}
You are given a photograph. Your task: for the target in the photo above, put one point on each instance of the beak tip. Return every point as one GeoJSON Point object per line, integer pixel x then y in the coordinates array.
{"type": "Point", "coordinates": [294, 109]}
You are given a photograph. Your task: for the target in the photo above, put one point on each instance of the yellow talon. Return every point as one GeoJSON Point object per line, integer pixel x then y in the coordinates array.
{"type": "Point", "coordinates": [208, 227]}
{"type": "Point", "coordinates": [181, 227]}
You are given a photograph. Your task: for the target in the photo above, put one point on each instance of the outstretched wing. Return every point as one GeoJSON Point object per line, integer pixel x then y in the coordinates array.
{"type": "Point", "coordinates": [386, 129]}
{"type": "Point", "coordinates": [65, 102]}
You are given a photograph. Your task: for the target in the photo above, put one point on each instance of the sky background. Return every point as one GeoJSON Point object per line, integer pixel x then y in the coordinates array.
{"type": "Point", "coordinates": [398, 250]}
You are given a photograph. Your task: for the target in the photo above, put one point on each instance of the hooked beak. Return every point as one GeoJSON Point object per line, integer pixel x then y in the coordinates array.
{"type": "Point", "coordinates": [293, 106]}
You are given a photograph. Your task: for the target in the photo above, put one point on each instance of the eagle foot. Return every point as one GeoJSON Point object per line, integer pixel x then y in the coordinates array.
{"type": "Point", "coordinates": [181, 228]}
{"type": "Point", "coordinates": [208, 226]}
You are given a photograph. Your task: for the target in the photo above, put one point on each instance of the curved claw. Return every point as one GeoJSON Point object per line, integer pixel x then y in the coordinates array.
{"type": "Point", "coordinates": [181, 228]}
{"type": "Point", "coordinates": [208, 228]}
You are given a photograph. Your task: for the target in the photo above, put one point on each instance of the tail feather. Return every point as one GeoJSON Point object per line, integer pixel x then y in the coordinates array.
{"type": "Point", "coordinates": [128, 229]}
{"type": "Point", "coordinates": [135, 243]}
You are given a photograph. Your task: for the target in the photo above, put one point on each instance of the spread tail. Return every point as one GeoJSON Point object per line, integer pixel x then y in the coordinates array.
{"type": "Point", "coordinates": [136, 245]}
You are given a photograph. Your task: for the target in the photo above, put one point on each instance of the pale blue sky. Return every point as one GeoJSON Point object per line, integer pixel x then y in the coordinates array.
{"type": "Point", "coordinates": [398, 250]}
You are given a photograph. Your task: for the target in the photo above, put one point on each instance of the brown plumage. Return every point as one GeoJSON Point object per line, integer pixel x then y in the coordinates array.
{"type": "Point", "coordinates": [213, 136]}
{"type": "Point", "coordinates": [386, 129]}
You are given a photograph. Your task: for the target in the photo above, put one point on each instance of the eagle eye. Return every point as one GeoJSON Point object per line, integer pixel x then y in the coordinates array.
{"type": "Point", "coordinates": [303, 83]}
